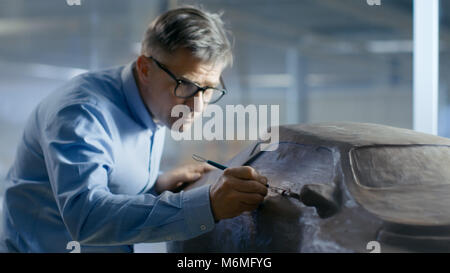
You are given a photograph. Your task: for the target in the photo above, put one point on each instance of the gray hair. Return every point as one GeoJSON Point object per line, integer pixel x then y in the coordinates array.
{"type": "Point", "coordinates": [199, 31]}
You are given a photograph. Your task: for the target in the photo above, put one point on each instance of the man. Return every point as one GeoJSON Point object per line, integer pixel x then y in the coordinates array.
{"type": "Point", "coordinates": [87, 166]}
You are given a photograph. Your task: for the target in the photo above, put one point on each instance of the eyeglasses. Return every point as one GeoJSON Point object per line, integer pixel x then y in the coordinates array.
{"type": "Point", "coordinates": [187, 89]}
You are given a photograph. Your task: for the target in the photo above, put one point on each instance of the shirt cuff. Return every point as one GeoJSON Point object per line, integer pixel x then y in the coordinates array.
{"type": "Point", "coordinates": [198, 213]}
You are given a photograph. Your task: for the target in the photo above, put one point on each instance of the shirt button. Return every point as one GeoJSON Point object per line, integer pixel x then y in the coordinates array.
{"type": "Point", "coordinates": [203, 227]}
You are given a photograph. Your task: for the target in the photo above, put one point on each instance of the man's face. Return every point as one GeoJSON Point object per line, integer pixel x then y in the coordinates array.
{"type": "Point", "coordinates": [156, 87]}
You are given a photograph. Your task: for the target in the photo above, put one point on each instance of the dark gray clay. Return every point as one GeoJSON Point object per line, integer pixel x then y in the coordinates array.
{"type": "Point", "coordinates": [354, 183]}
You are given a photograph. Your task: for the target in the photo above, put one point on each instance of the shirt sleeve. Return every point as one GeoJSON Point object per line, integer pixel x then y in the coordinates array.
{"type": "Point", "coordinates": [78, 150]}
{"type": "Point", "coordinates": [152, 190]}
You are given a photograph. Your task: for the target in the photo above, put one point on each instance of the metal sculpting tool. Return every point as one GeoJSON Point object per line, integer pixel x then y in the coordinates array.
{"type": "Point", "coordinates": [222, 167]}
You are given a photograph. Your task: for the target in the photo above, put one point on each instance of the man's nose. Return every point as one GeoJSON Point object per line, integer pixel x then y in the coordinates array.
{"type": "Point", "coordinates": [196, 103]}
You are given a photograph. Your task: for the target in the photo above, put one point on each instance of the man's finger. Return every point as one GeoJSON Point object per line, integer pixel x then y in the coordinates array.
{"type": "Point", "coordinates": [247, 186]}
{"type": "Point", "coordinates": [187, 176]}
{"type": "Point", "coordinates": [206, 168]}
{"type": "Point", "coordinates": [243, 172]}
{"type": "Point", "coordinates": [201, 168]}
{"type": "Point", "coordinates": [246, 172]}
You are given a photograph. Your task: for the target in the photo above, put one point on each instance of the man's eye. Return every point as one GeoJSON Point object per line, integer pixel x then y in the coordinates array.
{"type": "Point", "coordinates": [190, 85]}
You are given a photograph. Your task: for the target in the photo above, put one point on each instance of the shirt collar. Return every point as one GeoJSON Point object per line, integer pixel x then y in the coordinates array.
{"type": "Point", "coordinates": [134, 100]}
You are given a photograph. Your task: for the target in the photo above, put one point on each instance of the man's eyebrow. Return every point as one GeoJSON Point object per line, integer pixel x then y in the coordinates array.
{"type": "Point", "coordinates": [188, 80]}
{"type": "Point", "coordinates": [215, 84]}
{"type": "Point", "coordinates": [207, 84]}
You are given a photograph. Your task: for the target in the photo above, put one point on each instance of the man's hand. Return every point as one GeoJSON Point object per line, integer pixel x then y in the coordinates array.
{"type": "Point", "coordinates": [174, 179]}
{"type": "Point", "coordinates": [238, 189]}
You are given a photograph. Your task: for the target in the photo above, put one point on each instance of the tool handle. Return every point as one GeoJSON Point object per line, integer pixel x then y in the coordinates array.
{"type": "Point", "coordinates": [217, 165]}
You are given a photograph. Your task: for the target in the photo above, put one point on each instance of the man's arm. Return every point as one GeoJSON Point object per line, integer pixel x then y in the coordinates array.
{"type": "Point", "coordinates": [77, 146]}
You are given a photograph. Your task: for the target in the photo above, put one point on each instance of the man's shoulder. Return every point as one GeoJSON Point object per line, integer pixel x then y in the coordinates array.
{"type": "Point", "coordinates": [97, 91]}
{"type": "Point", "coordinates": [101, 88]}
{"type": "Point", "coordinates": [109, 78]}
{"type": "Point", "coordinates": [95, 86]}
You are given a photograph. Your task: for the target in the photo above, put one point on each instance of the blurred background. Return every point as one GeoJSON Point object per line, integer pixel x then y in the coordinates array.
{"type": "Point", "coordinates": [320, 60]}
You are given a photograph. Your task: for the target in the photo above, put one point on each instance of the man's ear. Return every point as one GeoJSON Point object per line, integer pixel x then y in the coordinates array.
{"type": "Point", "coordinates": [142, 68]}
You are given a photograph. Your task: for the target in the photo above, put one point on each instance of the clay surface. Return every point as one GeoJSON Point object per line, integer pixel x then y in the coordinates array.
{"type": "Point", "coordinates": [355, 183]}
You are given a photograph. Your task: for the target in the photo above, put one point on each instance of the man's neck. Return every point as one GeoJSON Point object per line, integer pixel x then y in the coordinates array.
{"type": "Point", "coordinates": [135, 76]}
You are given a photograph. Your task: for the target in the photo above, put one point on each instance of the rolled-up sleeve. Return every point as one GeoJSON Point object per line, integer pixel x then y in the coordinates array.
{"type": "Point", "coordinates": [78, 149]}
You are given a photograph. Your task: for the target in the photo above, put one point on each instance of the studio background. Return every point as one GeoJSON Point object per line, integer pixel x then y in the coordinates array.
{"type": "Point", "coordinates": [320, 60]}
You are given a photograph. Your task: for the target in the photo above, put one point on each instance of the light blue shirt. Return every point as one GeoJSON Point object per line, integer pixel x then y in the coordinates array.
{"type": "Point", "coordinates": [85, 170]}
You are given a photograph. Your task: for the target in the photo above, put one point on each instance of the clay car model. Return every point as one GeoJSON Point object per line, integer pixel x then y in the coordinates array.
{"type": "Point", "coordinates": [346, 187]}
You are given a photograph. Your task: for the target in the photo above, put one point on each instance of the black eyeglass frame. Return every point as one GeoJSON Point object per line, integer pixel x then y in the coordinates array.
{"type": "Point", "coordinates": [181, 81]}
